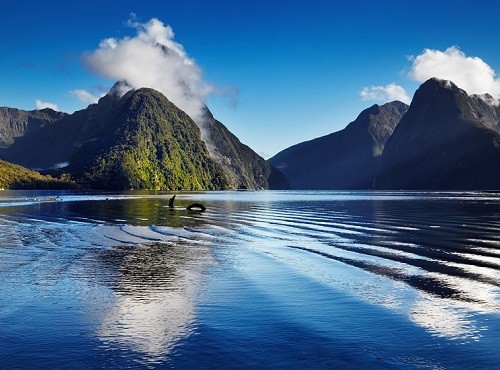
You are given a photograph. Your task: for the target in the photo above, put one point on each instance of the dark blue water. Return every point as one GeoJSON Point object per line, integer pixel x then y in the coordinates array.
{"type": "Point", "coordinates": [259, 280]}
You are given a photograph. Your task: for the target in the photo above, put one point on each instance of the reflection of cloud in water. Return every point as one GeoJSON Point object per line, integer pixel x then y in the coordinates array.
{"type": "Point", "coordinates": [156, 290]}
{"type": "Point", "coordinates": [150, 326]}
{"type": "Point", "coordinates": [444, 318]}
{"type": "Point", "coordinates": [446, 305]}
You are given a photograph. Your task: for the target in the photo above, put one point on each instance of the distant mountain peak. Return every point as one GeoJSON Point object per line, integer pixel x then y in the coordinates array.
{"type": "Point", "coordinates": [119, 89]}
{"type": "Point", "coordinates": [438, 82]}
{"type": "Point", "coordinates": [446, 140]}
{"type": "Point", "coordinates": [347, 159]}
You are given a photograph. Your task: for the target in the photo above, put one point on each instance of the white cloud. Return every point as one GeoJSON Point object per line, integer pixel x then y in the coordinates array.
{"type": "Point", "coordinates": [85, 96]}
{"type": "Point", "coordinates": [153, 59]}
{"type": "Point", "coordinates": [43, 104]}
{"type": "Point", "coordinates": [387, 93]}
{"type": "Point", "coordinates": [469, 73]}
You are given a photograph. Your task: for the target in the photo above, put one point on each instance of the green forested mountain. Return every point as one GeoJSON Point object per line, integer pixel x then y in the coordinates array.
{"type": "Point", "coordinates": [16, 122]}
{"type": "Point", "coordinates": [142, 141]}
{"type": "Point", "coordinates": [138, 141]}
{"type": "Point", "coordinates": [154, 146]}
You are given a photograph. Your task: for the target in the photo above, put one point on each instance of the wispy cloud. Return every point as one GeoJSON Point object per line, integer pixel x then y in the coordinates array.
{"type": "Point", "coordinates": [152, 59]}
{"type": "Point", "coordinates": [84, 96]}
{"type": "Point", "coordinates": [43, 104]}
{"type": "Point", "coordinates": [469, 73]}
{"type": "Point", "coordinates": [387, 93]}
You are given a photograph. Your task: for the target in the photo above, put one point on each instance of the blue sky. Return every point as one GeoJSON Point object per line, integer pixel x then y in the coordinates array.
{"type": "Point", "coordinates": [281, 72]}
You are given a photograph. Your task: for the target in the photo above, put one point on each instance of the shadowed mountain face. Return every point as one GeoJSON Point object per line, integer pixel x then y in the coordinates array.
{"type": "Point", "coordinates": [446, 140]}
{"type": "Point", "coordinates": [241, 165]}
{"type": "Point", "coordinates": [15, 123]}
{"type": "Point", "coordinates": [487, 110]}
{"type": "Point", "coordinates": [347, 159]}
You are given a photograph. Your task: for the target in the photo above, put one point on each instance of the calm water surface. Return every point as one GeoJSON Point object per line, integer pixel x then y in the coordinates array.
{"type": "Point", "coordinates": [259, 280]}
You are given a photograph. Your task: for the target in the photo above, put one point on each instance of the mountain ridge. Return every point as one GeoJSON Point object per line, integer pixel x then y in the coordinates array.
{"type": "Point", "coordinates": [441, 144]}
{"type": "Point", "coordinates": [346, 159]}
{"type": "Point", "coordinates": [15, 122]}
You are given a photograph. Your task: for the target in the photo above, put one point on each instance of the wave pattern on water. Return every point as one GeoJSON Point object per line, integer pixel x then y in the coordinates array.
{"type": "Point", "coordinates": [445, 248]}
{"type": "Point", "coordinates": [139, 282]}
{"type": "Point", "coordinates": [432, 258]}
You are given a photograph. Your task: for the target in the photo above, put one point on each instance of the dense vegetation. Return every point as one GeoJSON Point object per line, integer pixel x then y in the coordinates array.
{"type": "Point", "coordinates": [15, 123]}
{"type": "Point", "coordinates": [154, 146]}
{"type": "Point", "coordinates": [16, 177]}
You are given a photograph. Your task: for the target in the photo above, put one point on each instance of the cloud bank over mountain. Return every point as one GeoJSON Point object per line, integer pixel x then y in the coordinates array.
{"type": "Point", "coordinates": [152, 59]}
{"type": "Point", "coordinates": [470, 73]}
{"type": "Point", "coordinates": [43, 104]}
{"type": "Point", "coordinates": [390, 92]}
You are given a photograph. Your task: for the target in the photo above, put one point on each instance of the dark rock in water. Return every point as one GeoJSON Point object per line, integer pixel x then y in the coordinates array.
{"type": "Point", "coordinates": [347, 159]}
{"type": "Point", "coordinates": [442, 143]}
{"type": "Point", "coordinates": [171, 202]}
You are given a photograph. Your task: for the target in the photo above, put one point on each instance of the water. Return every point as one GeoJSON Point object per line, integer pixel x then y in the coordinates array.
{"type": "Point", "coordinates": [259, 280]}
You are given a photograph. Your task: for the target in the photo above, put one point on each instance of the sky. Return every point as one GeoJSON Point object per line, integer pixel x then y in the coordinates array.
{"type": "Point", "coordinates": [276, 73]}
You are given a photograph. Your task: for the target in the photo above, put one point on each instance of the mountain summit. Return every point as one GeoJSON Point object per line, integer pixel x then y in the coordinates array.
{"type": "Point", "coordinates": [347, 159]}
{"type": "Point", "coordinates": [444, 141]}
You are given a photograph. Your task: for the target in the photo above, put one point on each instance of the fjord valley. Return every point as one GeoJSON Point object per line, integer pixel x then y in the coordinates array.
{"type": "Point", "coordinates": [249, 185]}
{"type": "Point", "coordinates": [444, 140]}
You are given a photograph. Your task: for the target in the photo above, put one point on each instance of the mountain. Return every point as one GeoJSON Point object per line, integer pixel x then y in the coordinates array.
{"type": "Point", "coordinates": [142, 141]}
{"type": "Point", "coordinates": [137, 141]}
{"type": "Point", "coordinates": [16, 177]}
{"type": "Point", "coordinates": [487, 110]}
{"type": "Point", "coordinates": [15, 123]}
{"type": "Point", "coordinates": [347, 159]}
{"type": "Point", "coordinates": [241, 165]}
{"type": "Point", "coordinates": [446, 140]}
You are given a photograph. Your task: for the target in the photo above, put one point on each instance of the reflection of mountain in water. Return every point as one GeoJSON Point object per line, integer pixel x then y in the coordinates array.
{"type": "Point", "coordinates": [156, 288]}
{"type": "Point", "coordinates": [430, 258]}
{"type": "Point", "coordinates": [152, 269]}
